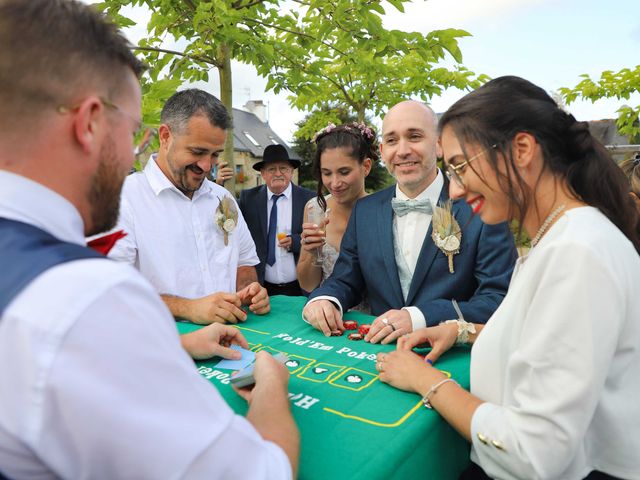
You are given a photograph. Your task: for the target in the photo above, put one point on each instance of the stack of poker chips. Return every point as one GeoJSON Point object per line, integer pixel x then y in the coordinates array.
{"type": "Point", "coordinates": [353, 325]}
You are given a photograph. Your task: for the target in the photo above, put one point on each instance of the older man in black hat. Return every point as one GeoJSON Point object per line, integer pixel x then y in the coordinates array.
{"type": "Point", "coordinates": [274, 214]}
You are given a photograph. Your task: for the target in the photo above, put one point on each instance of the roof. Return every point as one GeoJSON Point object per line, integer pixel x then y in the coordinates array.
{"type": "Point", "coordinates": [607, 132]}
{"type": "Point", "coordinates": [251, 135]}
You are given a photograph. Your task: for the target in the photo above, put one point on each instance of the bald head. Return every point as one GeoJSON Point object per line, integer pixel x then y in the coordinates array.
{"type": "Point", "coordinates": [418, 110]}
{"type": "Point", "coordinates": [409, 145]}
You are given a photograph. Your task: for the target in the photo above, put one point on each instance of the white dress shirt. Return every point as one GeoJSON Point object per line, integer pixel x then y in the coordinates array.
{"type": "Point", "coordinates": [558, 363]}
{"type": "Point", "coordinates": [94, 382]}
{"type": "Point", "coordinates": [284, 270]}
{"type": "Point", "coordinates": [174, 241]}
{"type": "Point", "coordinates": [412, 230]}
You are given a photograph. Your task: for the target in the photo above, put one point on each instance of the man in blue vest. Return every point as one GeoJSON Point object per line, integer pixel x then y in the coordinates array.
{"type": "Point", "coordinates": [94, 381]}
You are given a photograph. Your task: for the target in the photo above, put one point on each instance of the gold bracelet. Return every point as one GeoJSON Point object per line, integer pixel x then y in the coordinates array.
{"type": "Point", "coordinates": [434, 389]}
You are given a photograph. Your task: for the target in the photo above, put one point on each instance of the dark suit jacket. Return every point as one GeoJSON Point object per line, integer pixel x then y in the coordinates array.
{"type": "Point", "coordinates": [367, 262]}
{"type": "Point", "coordinates": [253, 204]}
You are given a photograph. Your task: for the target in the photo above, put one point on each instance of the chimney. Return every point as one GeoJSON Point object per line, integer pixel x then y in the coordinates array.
{"type": "Point", "coordinates": [258, 108]}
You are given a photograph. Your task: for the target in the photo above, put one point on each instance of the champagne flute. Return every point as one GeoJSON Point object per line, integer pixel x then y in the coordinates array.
{"type": "Point", "coordinates": [316, 215]}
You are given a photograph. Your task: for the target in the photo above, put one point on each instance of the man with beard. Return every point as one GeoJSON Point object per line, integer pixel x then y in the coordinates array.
{"type": "Point", "coordinates": [388, 249]}
{"type": "Point", "coordinates": [94, 381]}
{"type": "Point", "coordinates": [185, 233]}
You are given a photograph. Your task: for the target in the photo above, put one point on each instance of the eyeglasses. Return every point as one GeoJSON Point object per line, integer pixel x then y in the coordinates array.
{"type": "Point", "coordinates": [142, 132]}
{"type": "Point", "coordinates": [273, 170]}
{"type": "Point", "coordinates": [453, 171]}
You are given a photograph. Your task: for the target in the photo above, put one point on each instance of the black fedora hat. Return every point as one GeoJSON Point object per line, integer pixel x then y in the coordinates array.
{"type": "Point", "coordinates": [276, 153]}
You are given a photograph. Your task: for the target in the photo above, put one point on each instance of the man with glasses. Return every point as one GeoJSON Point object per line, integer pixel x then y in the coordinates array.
{"type": "Point", "coordinates": [184, 232]}
{"type": "Point", "coordinates": [274, 213]}
{"type": "Point", "coordinates": [94, 381]}
{"type": "Point", "coordinates": [388, 249]}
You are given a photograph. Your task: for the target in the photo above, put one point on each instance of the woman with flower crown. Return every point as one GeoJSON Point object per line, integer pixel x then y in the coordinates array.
{"type": "Point", "coordinates": [554, 372]}
{"type": "Point", "coordinates": [344, 157]}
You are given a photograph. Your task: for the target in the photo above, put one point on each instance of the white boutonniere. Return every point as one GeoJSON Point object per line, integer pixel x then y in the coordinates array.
{"type": "Point", "coordinates": [446, 232]}
{"type": "Point", "coordinates": [226, 217]}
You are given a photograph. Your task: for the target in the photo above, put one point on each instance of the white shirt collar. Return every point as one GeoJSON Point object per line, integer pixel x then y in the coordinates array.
{"type": "Point", "coordinates": [24, 200]}
{"type": "Point", "coordinates": [159, 182]}
{"type": "Point", "coordinates": [286, 193]}
{"type": "Point", "coordinates": [432, 192]}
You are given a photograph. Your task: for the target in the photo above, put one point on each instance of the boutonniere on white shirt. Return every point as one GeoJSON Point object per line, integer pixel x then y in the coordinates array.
{"type": "Point", "coordinates": [226, 217]}
{"type": "Point", "coordinates": [446, 232]}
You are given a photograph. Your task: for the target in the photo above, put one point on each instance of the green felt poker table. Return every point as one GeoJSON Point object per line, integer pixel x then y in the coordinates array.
{"type": "Point", "coordinates": [352, 425]}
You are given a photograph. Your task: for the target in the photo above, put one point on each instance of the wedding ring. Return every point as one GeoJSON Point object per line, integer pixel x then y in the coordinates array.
{"type": "Point", "coordinates": [393, 327]}
{"type": "Point", "coordinates": [379, 366]}
{"type": "Point", "coordinates": [385, 321]}
{"type": "Point", "coordinates": [381, 357]}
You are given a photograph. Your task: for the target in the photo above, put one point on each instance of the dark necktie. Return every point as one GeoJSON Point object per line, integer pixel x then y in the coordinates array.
{"type": "Point", "coordinates": [271, 235]}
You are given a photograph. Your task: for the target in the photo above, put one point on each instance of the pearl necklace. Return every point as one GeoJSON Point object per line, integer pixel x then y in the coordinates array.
{"type": "Point", "coordinates": [545, 225]}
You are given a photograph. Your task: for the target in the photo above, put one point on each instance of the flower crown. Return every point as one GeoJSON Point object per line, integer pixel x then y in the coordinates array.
{"type": "Point", "coordinates": [353, 127]}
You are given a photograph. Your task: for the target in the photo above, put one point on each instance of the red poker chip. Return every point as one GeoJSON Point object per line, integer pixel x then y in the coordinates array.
{"type": "Point", "coordinates": [336, 333]}
{"type": "Point", "coordinates": [350, 325]}
{"type": "Point", "coordinates": [364, 329]}
{"type": "Point", "coordinates": [355, 336]}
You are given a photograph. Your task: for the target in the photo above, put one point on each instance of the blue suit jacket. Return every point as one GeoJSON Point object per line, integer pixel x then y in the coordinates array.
{"type": "Point", "coordinates": [367, 262]}
{"type": "Point", "coordinates": [253, 204]}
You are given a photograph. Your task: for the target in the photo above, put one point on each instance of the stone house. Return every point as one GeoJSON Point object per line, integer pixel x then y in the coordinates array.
{"type": "Point", "coordinates": [251, 134]}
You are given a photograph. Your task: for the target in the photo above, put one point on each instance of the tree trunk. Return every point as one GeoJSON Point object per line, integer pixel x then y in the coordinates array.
{"type": "Point", "coordinates": [360, 113]}
{"type": "Point", "coordinates": [226, 96]}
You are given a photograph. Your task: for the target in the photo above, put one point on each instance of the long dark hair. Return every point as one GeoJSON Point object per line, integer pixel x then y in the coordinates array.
{"type": "Point", "coordinates": [358, 138]}
{"type": "Point", "coordinates": [494, 113]}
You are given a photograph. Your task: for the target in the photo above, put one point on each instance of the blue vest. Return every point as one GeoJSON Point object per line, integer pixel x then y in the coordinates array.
{"type": "Point", "coordinates": [26, 252]}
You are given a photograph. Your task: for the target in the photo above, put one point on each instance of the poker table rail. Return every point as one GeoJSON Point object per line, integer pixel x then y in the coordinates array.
{"type": "Point", "coordinates": [351, 424]}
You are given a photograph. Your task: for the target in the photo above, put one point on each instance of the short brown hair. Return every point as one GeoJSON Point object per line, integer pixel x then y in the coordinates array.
{"type": "Point", "coordinates": [52, 50]}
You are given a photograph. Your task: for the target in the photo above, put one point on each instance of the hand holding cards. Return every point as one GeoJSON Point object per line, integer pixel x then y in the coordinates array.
{"type": "Point", "coordinates": [244, 377]}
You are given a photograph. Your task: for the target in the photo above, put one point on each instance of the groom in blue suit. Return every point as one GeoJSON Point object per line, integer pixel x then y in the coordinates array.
{"type": "Point", "coordinates": [276, 207]}
{"type": "Point", "coordinates": [388, 252]}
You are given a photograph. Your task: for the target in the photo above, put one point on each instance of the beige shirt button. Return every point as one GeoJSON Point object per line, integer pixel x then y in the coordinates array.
{"type": "Point", "coordinates": [498, 444]}
{"type": "Point", "coordinates": [483, 439]}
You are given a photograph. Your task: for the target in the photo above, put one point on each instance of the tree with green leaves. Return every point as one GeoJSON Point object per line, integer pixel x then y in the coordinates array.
{"type": "Point", "coordinates": [320, 51]}
{"type": "Point", "coordinates": [620, 85]}
{"type": "Point", "coordinates": [214, 31]}
{"type": "Point", "coordinates": [356, 62]}
{"type": "Point", "coordinates": [378, 177]}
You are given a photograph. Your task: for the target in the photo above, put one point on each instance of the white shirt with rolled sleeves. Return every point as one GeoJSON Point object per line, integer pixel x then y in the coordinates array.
{"type": "Point", "coordinates": [412, 229]}
{"type": "Point", "coordinates": [94, 381]}
{"type": "Point", "coordinates": [557, 364]}
{"type": "Point", "coordinates": [174, 241]}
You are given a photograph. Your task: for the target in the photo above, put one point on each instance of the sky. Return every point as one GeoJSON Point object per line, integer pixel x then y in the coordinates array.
{"type": "Point", "coordinates": [549, 42]}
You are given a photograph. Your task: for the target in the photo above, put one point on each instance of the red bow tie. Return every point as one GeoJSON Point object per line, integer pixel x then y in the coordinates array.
{"type": "Point", "coordinates": [105, 244]}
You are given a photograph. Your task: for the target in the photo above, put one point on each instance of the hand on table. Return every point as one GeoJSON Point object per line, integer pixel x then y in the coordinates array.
{"type": "Point", "coordinates": [213, 340]}
{"type": "Point", "coordinates": [389, 327]}
{"type": "Point", "coordinates": [256, 296]}
{"type": "Point", "coordinates": [404, 370]}
{"type": "Point", "coordinates": [269, 374]}
{"type": "Point", "coordinates": [440, 338]}
{"type": "Point", "coordinates": [324, 316]}
{"type": "Point", "coordinates": [219, 307]}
